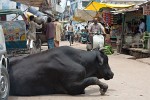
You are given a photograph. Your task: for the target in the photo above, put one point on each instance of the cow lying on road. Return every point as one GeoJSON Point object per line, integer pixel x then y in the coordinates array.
{"type": "Point", "coordinates": [62, 70]}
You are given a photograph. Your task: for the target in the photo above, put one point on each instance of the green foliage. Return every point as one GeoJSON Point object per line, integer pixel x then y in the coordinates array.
{"type": "Point", "coordinates": [145, 38]}
{"type": "Point", "coordinates": [108, 50]}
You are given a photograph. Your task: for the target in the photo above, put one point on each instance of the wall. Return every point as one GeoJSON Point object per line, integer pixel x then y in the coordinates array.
{"type": "Point", "coordinates": [7, 4]}
{"type": "Point", "coordinates": [148, 22]}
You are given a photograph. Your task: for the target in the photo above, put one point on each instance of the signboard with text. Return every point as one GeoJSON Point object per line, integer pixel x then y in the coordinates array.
{"type": "Point", "coordinates": [146, 10]}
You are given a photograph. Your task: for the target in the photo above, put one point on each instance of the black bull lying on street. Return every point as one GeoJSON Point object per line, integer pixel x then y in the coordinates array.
{"type": "Point", "coordinates": [62, 70]}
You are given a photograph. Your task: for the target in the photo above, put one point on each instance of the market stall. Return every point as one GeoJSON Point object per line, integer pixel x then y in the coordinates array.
{"type": "Point", "coordinates": [107, 17]}
{"type": "Point", "coordinates": [134, 38]}
{"type": "Point", "coordinates": [131, 28]}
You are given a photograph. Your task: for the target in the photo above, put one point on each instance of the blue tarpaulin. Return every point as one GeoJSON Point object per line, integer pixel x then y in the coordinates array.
{"type": "Point", "coordinates": [35, 12]}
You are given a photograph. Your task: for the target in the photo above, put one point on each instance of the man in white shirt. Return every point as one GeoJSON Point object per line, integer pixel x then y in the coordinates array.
{"type": "Point", "coordinates": [141, 26]}
{"type": "Point", "coordinates": [95, 27]}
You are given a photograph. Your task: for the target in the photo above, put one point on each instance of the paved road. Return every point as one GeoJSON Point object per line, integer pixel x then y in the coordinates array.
{"type": "Point", "coordinates": [131, 82]}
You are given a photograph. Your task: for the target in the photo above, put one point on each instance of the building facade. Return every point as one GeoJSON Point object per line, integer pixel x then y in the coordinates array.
{"type": "Point", "coordinates": [125, 1]}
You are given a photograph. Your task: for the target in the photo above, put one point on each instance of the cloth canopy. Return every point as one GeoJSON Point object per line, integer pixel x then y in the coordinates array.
{"type": "Point", "coordinates": [83, 15]}
{"type": "Point", "coordinates": [96, 6]}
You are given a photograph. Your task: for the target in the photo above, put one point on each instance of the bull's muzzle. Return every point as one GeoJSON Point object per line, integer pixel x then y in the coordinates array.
{"type": "Point", "coordinates": [109, 75]}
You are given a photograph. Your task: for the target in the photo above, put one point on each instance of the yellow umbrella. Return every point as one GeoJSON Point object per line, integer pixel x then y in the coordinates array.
{"type": "Point", "coordinates": [95, 6]}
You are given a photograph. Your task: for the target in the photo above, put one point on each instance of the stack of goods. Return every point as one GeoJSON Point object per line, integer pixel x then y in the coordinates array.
{"type": "Point", "coordinates": [137, 42]}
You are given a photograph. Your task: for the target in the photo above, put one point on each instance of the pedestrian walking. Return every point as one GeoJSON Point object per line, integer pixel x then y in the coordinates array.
{"type": "Point", "coordinates": [50, 32]}
{"type": "Point", "coordinates": [66, 33]}
{"type": "Point", "coordinates": [78, 32]}
{"type": "Point", "coordinates": [31, 35]}
{"type": "Point", "coordinates": [58, 33]}
{"type": "Point", "coordinates": [71, 32]}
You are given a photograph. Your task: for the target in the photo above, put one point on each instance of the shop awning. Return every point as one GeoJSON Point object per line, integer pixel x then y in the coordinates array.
{"type": "Point", "coordinates": [119, 5]}
{"type": "Point", "coordinates": [96, 6]}
{"type": "Point", "coordinates": [84, 14]}
{"type": "Point", "coordinates": [35, 3]}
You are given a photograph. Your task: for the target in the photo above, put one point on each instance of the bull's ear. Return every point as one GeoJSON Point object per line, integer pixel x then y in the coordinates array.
{"type": "Point", "coordinates": [100, 58]}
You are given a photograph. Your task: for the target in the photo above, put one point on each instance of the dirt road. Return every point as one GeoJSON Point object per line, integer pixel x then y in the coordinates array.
{"type": "Point", "coordinates": [131, 82]}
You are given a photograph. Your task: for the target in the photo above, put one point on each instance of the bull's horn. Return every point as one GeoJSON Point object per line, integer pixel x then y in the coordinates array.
{"type": "Point", "coordinates": [102, 49]}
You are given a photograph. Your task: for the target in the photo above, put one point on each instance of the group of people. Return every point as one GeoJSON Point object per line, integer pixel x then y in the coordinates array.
{"type": "Point", "coordinates": [76, 32]}
{"type": "Point", "coordinates": [52, 30]}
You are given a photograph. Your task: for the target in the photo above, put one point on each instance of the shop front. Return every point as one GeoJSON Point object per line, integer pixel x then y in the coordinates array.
{"type": "Point", "coordinates": [135, 33]}
{"type": "Point", "coordinates": [132, 34]}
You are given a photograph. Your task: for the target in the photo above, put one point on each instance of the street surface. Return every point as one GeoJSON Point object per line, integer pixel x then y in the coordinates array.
{"type": "Point", "coordinates": [131, 81]}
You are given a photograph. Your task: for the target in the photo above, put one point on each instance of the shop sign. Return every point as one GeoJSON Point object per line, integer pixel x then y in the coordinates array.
{"type": "Point", "coordinates": [146, 10]}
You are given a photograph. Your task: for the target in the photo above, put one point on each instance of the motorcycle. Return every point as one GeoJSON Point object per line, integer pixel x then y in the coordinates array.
{"type": "Point", "coordinates": [97, 43]}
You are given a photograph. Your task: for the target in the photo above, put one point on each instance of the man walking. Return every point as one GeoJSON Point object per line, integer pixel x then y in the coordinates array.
{"type": "Point", "coordinates": [32, 34]}
{"type": "Point", "coordinates": [50, 32]}
{"type": "Point", "coordinates": [58, 33]}
{"type": "Point", "coordinates": [70, 32]}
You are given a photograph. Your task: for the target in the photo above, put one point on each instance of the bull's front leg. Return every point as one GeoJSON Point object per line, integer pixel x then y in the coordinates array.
{"type": "Point", "coordinates": [75, 88]}
{"type": "Point", "coordinates": [95, 81]}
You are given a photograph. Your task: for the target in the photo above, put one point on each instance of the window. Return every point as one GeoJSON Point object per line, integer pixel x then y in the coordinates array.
{"type": "Point", "coordinates": [14, 17]}
{"type": "Point", "coordinates": [3, 18]}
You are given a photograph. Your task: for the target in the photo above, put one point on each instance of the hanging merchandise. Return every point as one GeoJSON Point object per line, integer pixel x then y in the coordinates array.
{"type": "Point", "coordinates": [115, 18]}
{"type": "Point", "coordinates": [107, 17]}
